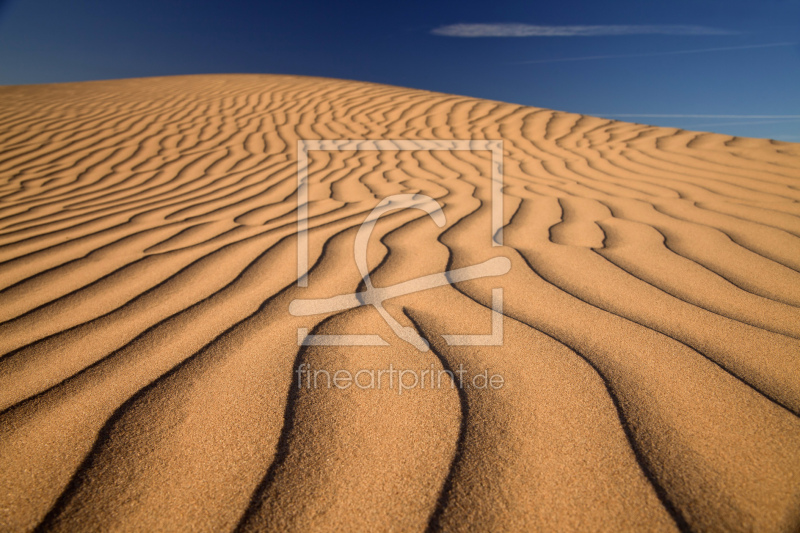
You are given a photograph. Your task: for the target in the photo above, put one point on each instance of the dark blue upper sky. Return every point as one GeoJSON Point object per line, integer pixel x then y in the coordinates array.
{"type": "Point", "coordinates": [739, 61]}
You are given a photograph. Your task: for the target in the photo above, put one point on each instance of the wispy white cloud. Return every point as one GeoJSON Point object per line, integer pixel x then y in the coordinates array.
{"type": "Point", "coordinates": [655, 54]}
{"type": "Point", "coordinates": [530, 30]}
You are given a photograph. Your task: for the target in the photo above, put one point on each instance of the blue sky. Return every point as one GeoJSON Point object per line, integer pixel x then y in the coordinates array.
{"type": "Point", "coordinates": [728, 66]}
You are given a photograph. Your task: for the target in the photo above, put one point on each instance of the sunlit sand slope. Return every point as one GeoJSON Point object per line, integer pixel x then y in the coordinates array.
{"type": "Point", "coordinates": [149, 256]}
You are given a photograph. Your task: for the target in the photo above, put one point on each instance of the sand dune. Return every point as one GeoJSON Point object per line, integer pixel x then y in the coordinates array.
{"type": "Point", "coordinates": [149, 361]}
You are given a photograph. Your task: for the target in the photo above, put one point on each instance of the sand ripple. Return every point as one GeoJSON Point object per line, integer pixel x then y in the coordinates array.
{"type": "Point", "coordinates": [148, 257]}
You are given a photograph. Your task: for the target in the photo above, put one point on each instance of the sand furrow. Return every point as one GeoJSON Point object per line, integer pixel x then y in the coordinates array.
{"type": "Point", "coordinates": [152, 374]}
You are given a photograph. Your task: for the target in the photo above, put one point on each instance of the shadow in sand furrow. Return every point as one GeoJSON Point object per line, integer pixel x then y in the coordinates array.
{"type": "Point", "coordinates": [577, 225]}
{"type": "Point", "coordinates": [90, 397]}
{"type": "Point", "coordinates": [579, 183]}
{"type": "Point", "coordinates": [715, 251]}
{"type": "Point", "coordinates": [217, 191]}
{"type": "Point", "coordinates": [641, 157]}
{"type": "Point", "coordinates": [639, 250]}
{"type": "Point", "coordinates": [546, 451]}
{"type": "Point", "coordinates": [760, 151]}
{"type": "Point", "coordinates": [238, 385]}
{"type": "Point", "coordinates": [149, 260]}
{"type": "Point", "coordinates": [129, 166]}
{"type": "Point", "coordinates": [504, 473]}
{"type": "Point", "coordinates": [780, 170]}
{"type": "Point", "coordinates": [162, 209]}
{"type": "Point", "coordinates": [635, 165]}
{"type": "Point", "coordinates": [89, 170]}
{"type": "Point", "coordinates": [759, 215]}
{"type": "Point", "coordinates": [97, 298]}
{"type": "Point", "coordinates": [597, 164]}
{"type": "Point", "coordinates": [100, 169]}
{"type": "Point", "coordinates": [590, 173]}
{"type": "Point", "coordinates": [773, 244]}
{"type": "Point", "coordinates": [560, 190]}
{"type": "Point", "coordinates": [236, 273]}
{"type": "Point", "coordinates": [395, 448]}
{"type": "Point", "coordinates": [608, 164]}
{"type": "Point", "coordinates": [765, 360]}
{"type": "Point", "coordinates": [371, 458]}
{"type": "Point", "coordinates": [706, 183]}
{"type": "Point", "coordinates": [721, 459]}
{"type": "Point", "coordinates": [109, 106]}
{"type": "Point", "coordinates": [269, 190]}
{"type": "Point", "coordinates": [714, 149]}
{"type": "Point", "coordinates": [53, 150]}
{"type": "Point", "coordinates": [686, 162]}
{"type": "Point", "coordinates": [32, 128]}
{"type": "Point", "coordinates": [681, 241]}
{"type": "Point", "coordinates": [37, 278]}
{"type": "Point", "coordinates": [53, 214]}
{"type": "Point", "coordinates": [192, 178]}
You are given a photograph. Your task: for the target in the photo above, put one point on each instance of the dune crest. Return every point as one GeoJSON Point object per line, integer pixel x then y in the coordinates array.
{"type": "Point", "coordinates": [150, 372]}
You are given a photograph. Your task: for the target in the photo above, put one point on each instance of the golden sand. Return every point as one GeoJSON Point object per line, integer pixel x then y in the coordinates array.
{"type": "Point", "coordinates": [148, 367]}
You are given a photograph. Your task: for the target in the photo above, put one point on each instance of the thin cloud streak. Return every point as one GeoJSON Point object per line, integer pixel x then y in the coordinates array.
{"type": "Point", "coordinates": [655, 54]}
{"type": "Point", "coordinates": [745, 123]}
{"type": "Point", "coordinates": [530, 30]}
{"type": "Point", "coordinates": [650, 115]}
